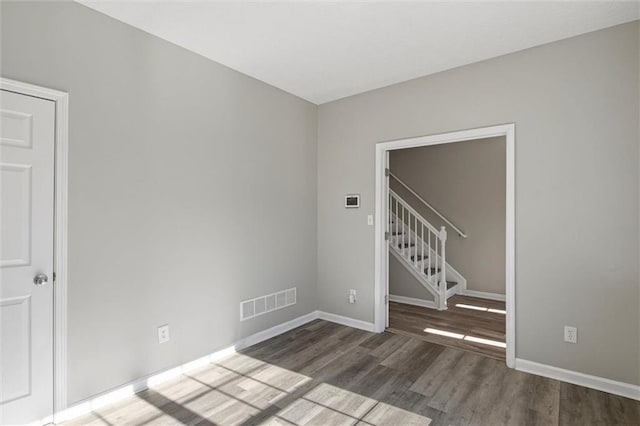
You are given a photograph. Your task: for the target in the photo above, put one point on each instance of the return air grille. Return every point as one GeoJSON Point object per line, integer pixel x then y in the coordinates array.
{"type": "Point", "coordinates": [264, 304]}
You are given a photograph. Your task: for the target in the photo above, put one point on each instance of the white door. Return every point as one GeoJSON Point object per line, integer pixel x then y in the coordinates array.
{"type": "Point", "coordinates": [26, 253]}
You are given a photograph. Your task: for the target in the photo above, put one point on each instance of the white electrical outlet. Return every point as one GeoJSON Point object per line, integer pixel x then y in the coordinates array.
{"type": "Point", "coordinates": [352, 296]}
{"type": "Point", "coordinates": [570, 334]}
{"type": "Point", "coordinates": [163, 333]}
{"type": "Point", "coordinates": [370, 220]}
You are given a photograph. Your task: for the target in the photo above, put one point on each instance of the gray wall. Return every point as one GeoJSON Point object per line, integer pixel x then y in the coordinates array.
{"type": "Point", "coordinates": [191, 187]}
{"type": "Point", "coordinates": [465, 181]}
{"type": "Point", "coordinates": [575, 106]}
{"type": "Point", "coordinates": [402, 283]}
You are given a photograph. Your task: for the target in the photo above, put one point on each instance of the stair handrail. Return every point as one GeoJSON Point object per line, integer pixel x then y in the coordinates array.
{"type": "Point", "coordinates": [458, 230]}
{"type": "Point", "coordinates": [413, 211]}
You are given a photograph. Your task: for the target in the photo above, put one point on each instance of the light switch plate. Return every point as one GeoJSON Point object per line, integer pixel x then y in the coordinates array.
{"type": "Point", "coordinates": [370, 220]}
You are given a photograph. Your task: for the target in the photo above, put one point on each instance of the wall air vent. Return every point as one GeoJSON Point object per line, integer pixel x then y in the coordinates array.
{"type": "Point", "coordinates": [264, 304]}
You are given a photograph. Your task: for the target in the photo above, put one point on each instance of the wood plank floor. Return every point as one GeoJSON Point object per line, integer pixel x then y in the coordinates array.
{"type": "Point", "coordinates": [328, 374]}
{"type": "Point", "coordinates": [470, 323]}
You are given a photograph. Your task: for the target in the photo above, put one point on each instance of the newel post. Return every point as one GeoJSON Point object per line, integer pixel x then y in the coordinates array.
{"type": "Point", "coordinates": [443, 269]}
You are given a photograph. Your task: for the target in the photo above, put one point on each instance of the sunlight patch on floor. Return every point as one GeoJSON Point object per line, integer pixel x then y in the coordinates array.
{"type": "Point", "coordinates": [386, 414]}
{"type": "Point", "coordinates": [485, 341]}
{"type": "Point", "coordinates": [244, 390]}
{"type": "Point", "coordinates": [481, 308]}
{"type": "Point", "coordinates": [465, 337]}
{"type": "Point", "coordinates": [443, 333]}
{"type": "Point", "coordinates": [475, 308]}
{"type": "Point", "coordinates": [326, 404]}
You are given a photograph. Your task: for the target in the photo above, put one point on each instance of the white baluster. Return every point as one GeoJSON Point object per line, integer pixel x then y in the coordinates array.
{"type": "Point", "coordinates": [403, 225]}
{"type": "Point", "coordinates": [422, 245]}
{"type": "Point", "coordinates": [429, 251]}
{"type": "Point", "coordinates": [396, 216]}
{"type": "Point", "coordinates": [415, 251]}
{"type": "Point", "coordinates": [390, 224]}
{"type": "Point", "coordinates": [435, 261]}
{"type": "Point", "coordinates": [408, 253]}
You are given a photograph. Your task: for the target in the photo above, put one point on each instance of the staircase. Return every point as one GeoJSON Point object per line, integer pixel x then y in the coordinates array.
{"type": "Point", "coordinates": [421, 249]}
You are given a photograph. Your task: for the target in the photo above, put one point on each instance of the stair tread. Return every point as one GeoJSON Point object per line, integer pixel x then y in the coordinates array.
{"type": "Point", "coordinates": [450, 284]}
{"type": "Point", "coordinates": [419, 257]}
{"type": "Point", "coordinates": [407, 245]}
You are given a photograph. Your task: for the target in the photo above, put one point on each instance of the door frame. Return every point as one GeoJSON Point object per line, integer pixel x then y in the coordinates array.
{"type": "Point", "coordinates": [61, 141]}
{"type": "Point", "coordinates": [381, 214]}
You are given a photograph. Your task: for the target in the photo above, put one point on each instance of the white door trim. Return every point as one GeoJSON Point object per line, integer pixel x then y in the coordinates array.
{"type": "Point", "coordinates": [61, 100]}
{"type": "Point", "coordinates": [381, 268]}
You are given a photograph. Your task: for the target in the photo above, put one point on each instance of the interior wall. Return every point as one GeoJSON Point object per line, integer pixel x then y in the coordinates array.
{"type": "Point", "coordinates": [403, 283]}
{"type": "Point", "coordinates": [191, 187]}
{"type": "Point", "coordinates": [465, 182]}
{"type": "Point", "coordinates": [575, 106]}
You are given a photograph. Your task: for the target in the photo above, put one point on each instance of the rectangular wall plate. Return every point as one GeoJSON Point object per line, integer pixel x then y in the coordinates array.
{"type": "Point", "coordinates": [163, 333]}
{"type": "Point", "coordinates": [570, 334]}
{"type": "Point", "coordinates": [352, 201]}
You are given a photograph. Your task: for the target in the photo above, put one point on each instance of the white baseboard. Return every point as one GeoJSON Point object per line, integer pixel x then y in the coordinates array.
{"type": "Point", "coordinates": [41, 422]}
{"type": "Point", "coordinates": [350, 322]}
{"type": "Point", "coordinates": [483, 295]}
{"type": "Point", "coordinates": [413, 301]}
{"type": "Point", "coordinates": [274, 331]}
{"type": "Point", "coordinates": [131, 388]}
{"type": "Point", "coordinates": [594, 382]}
{"type": "Point", "coordinates": [124, 391]}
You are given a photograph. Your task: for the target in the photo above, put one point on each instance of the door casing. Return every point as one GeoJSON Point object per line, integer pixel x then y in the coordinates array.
{"type": "Point", "coordinates": [381, 215]}
{"type": "Point", "coordinates": [61, 141]}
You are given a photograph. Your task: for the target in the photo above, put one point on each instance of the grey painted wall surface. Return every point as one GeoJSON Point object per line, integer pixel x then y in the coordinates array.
{"type": "Point", "coordinates": [575, 106]}
{"type": "Point", "coordinates": [191, 187]}
{"type": "Point", "coordinates": [402, 283]}
{"type": "Point", "coordinates": [464, 181]}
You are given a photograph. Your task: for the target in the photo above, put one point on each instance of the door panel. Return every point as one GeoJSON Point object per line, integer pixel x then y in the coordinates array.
{"type": "Point", "coordinates": [15, 314]}
{"type": "Point", "coordinates": [26, 249]}
{"type": "Point", "coordinates": [16, 211]}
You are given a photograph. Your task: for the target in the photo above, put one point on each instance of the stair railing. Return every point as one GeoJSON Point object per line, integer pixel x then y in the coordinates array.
{"type": "Point", "coordinates": [423, 201]}
{"type": "Point", "coordinates": [409, 232]}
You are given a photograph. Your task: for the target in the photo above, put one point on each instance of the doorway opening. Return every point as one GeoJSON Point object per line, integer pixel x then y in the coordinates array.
{"type": "Point", "coordinates": [436, 279]}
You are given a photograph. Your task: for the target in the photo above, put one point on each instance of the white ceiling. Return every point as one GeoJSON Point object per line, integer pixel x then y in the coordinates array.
{"type": "Point", "coordinates": [322, 51]}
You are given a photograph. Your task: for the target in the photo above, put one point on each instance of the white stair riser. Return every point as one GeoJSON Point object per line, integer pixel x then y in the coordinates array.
{"type": "Point", "coordinates": [453, 291]}
{"type": "Point", "coordinates": [452, 274]}
{"type": "Point", "coordinates": [417, 268]}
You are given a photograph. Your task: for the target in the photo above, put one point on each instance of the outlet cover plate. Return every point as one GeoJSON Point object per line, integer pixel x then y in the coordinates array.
{"type": "Point", "coordinates": [163, 333]}
{"type": "Point", "coordinates": [570, 334]}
